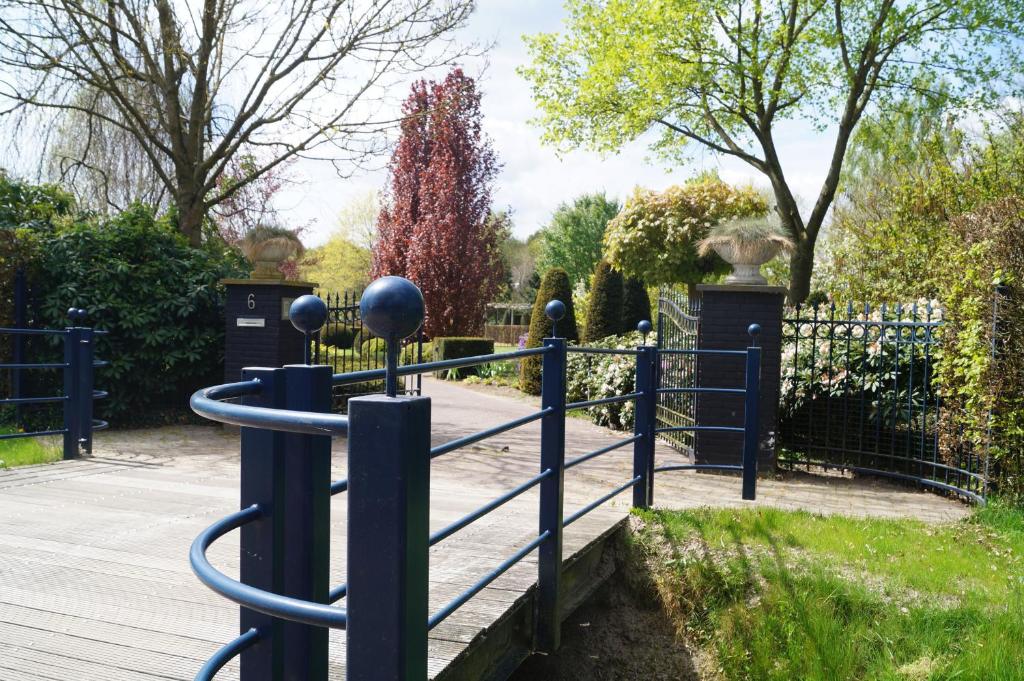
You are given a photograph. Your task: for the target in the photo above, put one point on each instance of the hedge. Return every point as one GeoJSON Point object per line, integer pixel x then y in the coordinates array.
{"type": "Point", "coordinates": [554, 286]}
{"type": "Point", "coordinates": [604, 310]}
{"type": "Point", "coordinates": [159, 299]}
{"type": "Point", "coordinates": [457, 347]}
{"type": "Point", "coordinates": [636, 304]}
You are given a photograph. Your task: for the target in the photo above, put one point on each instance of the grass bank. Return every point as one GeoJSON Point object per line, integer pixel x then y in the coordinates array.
{"type": "Point", "coordinates": [774, 595]}
{"type": "Point", "coordinates": [28, 450]}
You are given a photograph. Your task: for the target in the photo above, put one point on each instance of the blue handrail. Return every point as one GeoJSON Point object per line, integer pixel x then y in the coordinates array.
{"type": "Point", "coordinates": [275, 605]}
{"type": "Point", "coordinates": [388, 488]}
{"type": "Point", "coordinates": [228, 653]}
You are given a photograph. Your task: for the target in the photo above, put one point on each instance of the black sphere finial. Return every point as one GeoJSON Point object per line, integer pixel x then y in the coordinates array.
{"type": "Point", "coordinates": [754, 330]}
{"type": "Point", "coordinates": [555, 311]}
{"type": "Point", "coordinates": [392, 307]}
{"type": "Point", "coordinates": [644, 327]}
{"type": "Point", "coordinates": [308, 313]}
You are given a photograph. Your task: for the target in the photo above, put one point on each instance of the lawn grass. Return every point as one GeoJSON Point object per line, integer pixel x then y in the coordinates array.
{"type": "Point", "coordinates": [789, 595]}
{"type": "Point", "coordinates": [27, 450]}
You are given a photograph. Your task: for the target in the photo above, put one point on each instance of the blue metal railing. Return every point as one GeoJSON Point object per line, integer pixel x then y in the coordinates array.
{"type": "Point", "coordinates": [78, 393]}
{"type": "Point", "coordinates": [283, 589]}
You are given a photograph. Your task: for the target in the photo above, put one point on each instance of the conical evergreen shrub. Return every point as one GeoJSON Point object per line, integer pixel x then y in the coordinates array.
{"type": "Point", "coordinates": [604, 310]}
{"type": "Point", "coordinates": [554, 286]}
{"type": "Point", "coordinates": [636, 304]}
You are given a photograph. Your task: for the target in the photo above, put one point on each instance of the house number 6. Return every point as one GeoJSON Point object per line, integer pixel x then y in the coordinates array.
{"type": "Point", "coordinates": [252, 301]}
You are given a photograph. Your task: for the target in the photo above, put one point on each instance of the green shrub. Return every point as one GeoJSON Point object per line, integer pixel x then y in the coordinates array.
{"type": "Point", "coordinates": [410, 352]}
{"type": "Point", "coordinates": [593, 377]}
{"type": "Point", "coordinates": [360, 338]}
{"type": "Point", "coordinates": [159, 299]}
{"type": "Point", "coordinates": [636, 304]}
{"type": "Point", "coordinates": [604, 309]}
{"type": "Point", "coordinates": [373, 349]}
{"type": "Point", "coordinates": [456, 347]}
{"type": "Point", "coordinates": [554, 286]}
{"type": "Point", "coordinates": [338, 335]}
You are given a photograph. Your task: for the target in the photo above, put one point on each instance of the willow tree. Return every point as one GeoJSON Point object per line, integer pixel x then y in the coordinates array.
{"type": "Point", "coordinates": [723, 74]}
{"type": "Point", "coordinates": [196, 84]}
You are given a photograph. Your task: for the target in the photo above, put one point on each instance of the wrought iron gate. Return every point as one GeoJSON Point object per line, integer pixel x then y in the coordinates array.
{"type": "Point", "coordinates": [677, 330]}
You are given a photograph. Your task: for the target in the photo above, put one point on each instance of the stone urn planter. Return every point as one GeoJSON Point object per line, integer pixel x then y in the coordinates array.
{"type": "Point", "coordinates": [745, 246]}
{"type": "Point", "coordinates": [268, 247]}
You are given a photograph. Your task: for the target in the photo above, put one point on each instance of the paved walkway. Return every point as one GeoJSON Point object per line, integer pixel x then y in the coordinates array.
{"type": "Point", "coordinates": [94, 576]}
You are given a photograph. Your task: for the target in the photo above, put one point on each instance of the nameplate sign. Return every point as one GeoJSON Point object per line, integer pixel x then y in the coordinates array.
{"type": "Point", "coordinates": [252, 322]}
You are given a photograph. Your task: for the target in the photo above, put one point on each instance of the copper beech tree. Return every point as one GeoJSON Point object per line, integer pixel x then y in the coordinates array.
{"type": "Point", "coordinates": [435, 224]}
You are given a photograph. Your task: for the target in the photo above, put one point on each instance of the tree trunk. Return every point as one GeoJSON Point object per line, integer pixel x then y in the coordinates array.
{"type": "Point", "coordinates": [190, 218]}
{"type": "Point", "coordinates": [801, 265]}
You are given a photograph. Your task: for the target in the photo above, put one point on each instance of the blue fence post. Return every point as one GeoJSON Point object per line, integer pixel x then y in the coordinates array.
{"type": "Point", "coordinates": [644, 423]}
{"type": "Point", "coordinates": [552, 488]}
{"type": "Point", "coordinates": [72, 390]}
{"type": "Point", "coordinates": [86, 359]}
{"type": "Point", "coordinates": [388, 506]}
{"type": "Point", "coordinates": [261, 549]}
{"type": "Point", "coordinates": [751, 421]}
{"type": "Point", "coordinates": [388, 537]}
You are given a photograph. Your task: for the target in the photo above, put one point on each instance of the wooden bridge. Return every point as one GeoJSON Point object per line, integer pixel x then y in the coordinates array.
{"type": "Point", "coordinates": [94, 577]}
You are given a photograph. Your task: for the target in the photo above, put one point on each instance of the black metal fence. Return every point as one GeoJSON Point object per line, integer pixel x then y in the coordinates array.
{"type": "Point", "coordinates": [677, 330]}
{"type": "Point", "coordinates": [858, 393]}
{"type": "Point", "coordinates": [347, 345]}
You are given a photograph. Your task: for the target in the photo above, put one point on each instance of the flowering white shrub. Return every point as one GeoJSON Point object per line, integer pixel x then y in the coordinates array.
{"type": "Point", "coordinates": [592, 377]}
{"type": "Point", "coordinates": [890, 362]}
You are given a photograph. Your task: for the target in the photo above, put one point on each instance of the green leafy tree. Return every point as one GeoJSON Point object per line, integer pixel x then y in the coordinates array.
{"type": "Point", "coordinates": [636, 304]}
{"type": "Point", "coordinates": [724, 74]}
{"type": "Point", "coordinates": [554, 286]}
{"type": "Point", "coordinates": [338, 265]}
{"type": "Point", "coordinates": [655, 235]}
{"type": "Point", "coordinates": [604, 309]}
{"type": "Point", "coordinates": [573, 239]}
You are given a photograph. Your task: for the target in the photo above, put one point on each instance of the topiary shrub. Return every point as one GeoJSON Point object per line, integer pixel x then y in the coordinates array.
{"type": "Point", "coordinates": [338, 336]}
{"type": "Point", "coordinates": [457, 347]}
{"type": "Point", "coordinates": [636, 304]}
{"type": "Point", "coordinates": [604, 309]}
{"type": "Point", "coordinates": [554, 286]}
{"type": "Point", "coordinates": [373, 348]}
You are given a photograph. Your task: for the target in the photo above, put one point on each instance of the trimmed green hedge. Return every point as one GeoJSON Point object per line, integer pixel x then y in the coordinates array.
{"type": "Point", "coordinates": [554, 286]}
{"type": "Point", "coordinates": [457, 347]}
{"type": "Point", "coordinates": [604, 311]}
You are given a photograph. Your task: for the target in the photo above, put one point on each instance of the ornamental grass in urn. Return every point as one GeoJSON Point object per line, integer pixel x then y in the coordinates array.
{"type": "Point", "coordinates": [746, 245]}
{"type": "Point", "coordinates": [267, 246]}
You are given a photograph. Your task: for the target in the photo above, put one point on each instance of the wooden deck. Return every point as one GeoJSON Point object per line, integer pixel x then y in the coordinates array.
{"type": "Point", "coordinates": [94, 576]}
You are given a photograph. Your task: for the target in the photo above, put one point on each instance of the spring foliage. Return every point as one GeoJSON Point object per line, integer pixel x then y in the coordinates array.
{"type": "Point", "coordinates": [655, 235]}
{"type": "Point", "coordinates": [433, 227]}
{"type": "Point", "coordinates": [573, 239]}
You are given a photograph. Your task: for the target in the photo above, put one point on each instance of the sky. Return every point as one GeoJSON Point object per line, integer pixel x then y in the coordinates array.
{"type": "Point", "coordinates": [534, 180]}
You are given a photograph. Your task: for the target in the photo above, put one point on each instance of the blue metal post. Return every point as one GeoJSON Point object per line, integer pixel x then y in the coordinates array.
{"type": "Point", "coordinates": [18, 342]}
{"type": "Point", "coordinates": [388, 538]}
{"type": "Point", "coordinates": [643, 425]}
{"type": "Point", "coordinates": [72, 393]}
{"type": "Point", "coordinates": [86, 358]}
{"type": "Point", "coordinates": [552, 457]}
{"type": "Point", "coordinates": [751, 421]}
{"type": "Point", "coordinates": [305, 503]}
{"type": "Point", "coordinates": [261, 555]}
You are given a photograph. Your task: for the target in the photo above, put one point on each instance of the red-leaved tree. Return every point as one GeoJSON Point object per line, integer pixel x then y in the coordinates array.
{"type": "Point", "coordinates": [433, 226]}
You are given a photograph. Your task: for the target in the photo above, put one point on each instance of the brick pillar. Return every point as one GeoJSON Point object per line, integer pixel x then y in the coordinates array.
{"type": "Point", "coordinates": [258, 332]}
{"type": "Point", "coordinates": [725, 313]}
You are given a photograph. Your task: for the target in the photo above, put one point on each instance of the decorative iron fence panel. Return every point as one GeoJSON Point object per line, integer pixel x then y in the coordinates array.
{"type": "Point", "coordinates": [858, 393]}
{"type": "Point", "coordinates": [677, 330]}
{"type": "Point", "coordinates": [348, 346]}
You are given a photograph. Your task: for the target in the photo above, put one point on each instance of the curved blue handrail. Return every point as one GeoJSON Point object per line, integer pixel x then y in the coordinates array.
{"type": "Point", "coordinates": [275, 605]}
{"type": "Point", "coordinates": [207, 402]}
{"type": "Point", "coordinates": [229, 652]}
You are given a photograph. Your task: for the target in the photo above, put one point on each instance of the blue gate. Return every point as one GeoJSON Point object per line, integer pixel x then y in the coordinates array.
{"type": "Point", "coordinates": [285, 598]}
{"type": "Point", "coordinates": [78, 366]}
